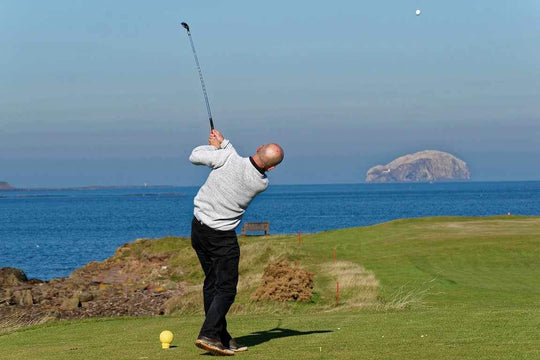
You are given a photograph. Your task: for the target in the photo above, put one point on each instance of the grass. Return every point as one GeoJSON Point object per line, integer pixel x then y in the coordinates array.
{"type": "Point", "coordinates": [431, 288]}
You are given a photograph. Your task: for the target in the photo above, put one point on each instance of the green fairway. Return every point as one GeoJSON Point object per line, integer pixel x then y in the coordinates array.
{"type": "Point", "coordinates": [446, 288]}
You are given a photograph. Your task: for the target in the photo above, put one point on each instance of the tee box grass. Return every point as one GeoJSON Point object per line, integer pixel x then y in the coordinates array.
{"type": "Point", "coordinates": [445, 288]}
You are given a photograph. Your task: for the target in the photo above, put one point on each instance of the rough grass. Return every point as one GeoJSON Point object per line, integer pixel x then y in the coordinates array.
{"type": "Point", "coordinates": [256, 253]}
{"type": "Point", "coordinates": [466, 288]}
{"type": "Point", "coordinates": [358, 287]}
{"type": "Point", "coordinates": [15, 320]}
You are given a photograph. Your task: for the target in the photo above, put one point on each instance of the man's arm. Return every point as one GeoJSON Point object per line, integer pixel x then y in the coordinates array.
{"type": "Point", "coordinates": [213, 155]}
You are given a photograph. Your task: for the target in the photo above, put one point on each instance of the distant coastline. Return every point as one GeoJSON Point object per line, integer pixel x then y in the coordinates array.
{"type": "Point", "coordinates": [8, 187]}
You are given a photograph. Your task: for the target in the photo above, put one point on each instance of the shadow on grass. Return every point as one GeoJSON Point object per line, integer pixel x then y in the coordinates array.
{"type": "Point", "coordinates": [259, 337]}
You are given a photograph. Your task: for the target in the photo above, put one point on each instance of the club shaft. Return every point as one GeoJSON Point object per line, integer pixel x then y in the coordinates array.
{"type": "Point", "coordinates": [202, 81]}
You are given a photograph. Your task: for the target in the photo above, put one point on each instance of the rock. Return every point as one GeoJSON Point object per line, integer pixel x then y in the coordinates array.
{"type": "Point", "coordinates": [424, 166]}
{"type": "Point", "coordinates": [86, 296]}
{"type": "Point", "coordinates": [132, 283]}
{"type": "Point", "coordinates": [5, 186]}
{"type": "Point", "coordinates": [35, 281]}
{"type": "Point", "coordinates": [22, 297]}
{"type": "Point", "coordinates": [71, 303]}
{"type": "Point", "coordinates": [103, 287]}
{"type": "Point", "coordinates": [12, 277]}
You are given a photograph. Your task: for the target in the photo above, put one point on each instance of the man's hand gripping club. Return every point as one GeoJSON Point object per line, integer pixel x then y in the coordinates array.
{"type": "Point", "coordinates": [215, 139]}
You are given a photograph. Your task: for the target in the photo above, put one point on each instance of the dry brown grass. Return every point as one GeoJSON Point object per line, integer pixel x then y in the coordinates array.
{"type": "Point", "coordinates": [14, 319]}
{"type": "Point", "coordinates": [255, 256]}
{"type": "Point", "coordinates": [358, 286]}
{"type": "Point", "coordinates": [190, 302]}
{"type": "Point", "coordinates": [403, 299]}
{"type": "Point", "coordinates": [285, 281]}
{"type": "Point", "coordinates": [249, 282]}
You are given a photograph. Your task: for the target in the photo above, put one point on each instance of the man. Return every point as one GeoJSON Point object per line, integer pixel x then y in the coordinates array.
{"type": "Point", "coordinates": [219, 205]}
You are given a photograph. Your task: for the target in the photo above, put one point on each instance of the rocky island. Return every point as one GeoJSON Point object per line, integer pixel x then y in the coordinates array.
{"type": "Point", "coordinates": [424, 166]}
{"type": "Point", "coordinates": [5, 186]}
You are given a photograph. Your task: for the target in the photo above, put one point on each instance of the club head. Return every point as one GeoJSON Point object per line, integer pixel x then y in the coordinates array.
{"type": "Point", "coordinates": [186, 26]}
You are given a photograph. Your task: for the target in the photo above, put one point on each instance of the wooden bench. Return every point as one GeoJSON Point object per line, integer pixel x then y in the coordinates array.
{"type": "Point", "coordinates": [256, 226]}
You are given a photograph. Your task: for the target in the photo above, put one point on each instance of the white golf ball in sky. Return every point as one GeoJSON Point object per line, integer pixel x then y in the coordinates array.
{"type": "Point", "coordinates": [418, 12]}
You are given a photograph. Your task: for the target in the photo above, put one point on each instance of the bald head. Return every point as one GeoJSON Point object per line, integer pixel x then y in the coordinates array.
{"type": "Point", "coordinates": [269, 155]}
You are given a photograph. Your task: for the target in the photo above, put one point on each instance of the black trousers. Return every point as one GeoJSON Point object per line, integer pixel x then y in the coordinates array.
{"type": "Point", "coordinates": [219, 254]}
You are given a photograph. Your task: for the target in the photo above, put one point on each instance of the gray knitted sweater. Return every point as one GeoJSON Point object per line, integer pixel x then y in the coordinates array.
{"type": "Point", "coordinates": [230, 187]}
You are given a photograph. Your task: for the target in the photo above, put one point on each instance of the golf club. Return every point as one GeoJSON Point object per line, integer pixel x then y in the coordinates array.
{"type": "Point", "coordinates": [186, 26]}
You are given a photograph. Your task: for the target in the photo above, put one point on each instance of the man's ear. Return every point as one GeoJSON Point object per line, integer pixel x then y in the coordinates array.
{"type": "Point", "coordinates": [270, 168]}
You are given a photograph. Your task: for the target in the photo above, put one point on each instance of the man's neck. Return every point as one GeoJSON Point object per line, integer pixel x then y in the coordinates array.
{"type": "Point", "coordinates": [257, 163]}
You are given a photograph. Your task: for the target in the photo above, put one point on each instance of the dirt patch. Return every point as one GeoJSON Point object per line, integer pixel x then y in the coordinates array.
{"type": "Point", "coordinates": [127, 284]}
{"type": "Point", "coordinates": [283, 281]}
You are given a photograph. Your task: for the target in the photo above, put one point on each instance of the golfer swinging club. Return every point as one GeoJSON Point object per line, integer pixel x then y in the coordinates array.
{"type": "Point", "coordinates": [219, 205]}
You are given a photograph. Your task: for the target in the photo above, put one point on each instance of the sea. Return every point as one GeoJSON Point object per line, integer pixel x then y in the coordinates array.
{"type": "Point", "coordinates": [49, 233]}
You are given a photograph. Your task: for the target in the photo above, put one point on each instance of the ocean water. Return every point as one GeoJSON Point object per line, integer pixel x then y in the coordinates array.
{"type": "Point", "coordinates": [49, 233]}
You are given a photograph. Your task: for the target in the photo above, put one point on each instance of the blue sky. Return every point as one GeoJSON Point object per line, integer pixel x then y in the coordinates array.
{"type": "Point", "coordinates": [106, 92]}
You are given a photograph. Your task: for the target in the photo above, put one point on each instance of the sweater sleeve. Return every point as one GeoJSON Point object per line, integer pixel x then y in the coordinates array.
{"type": "Point", "coordinates": [209, 156]}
